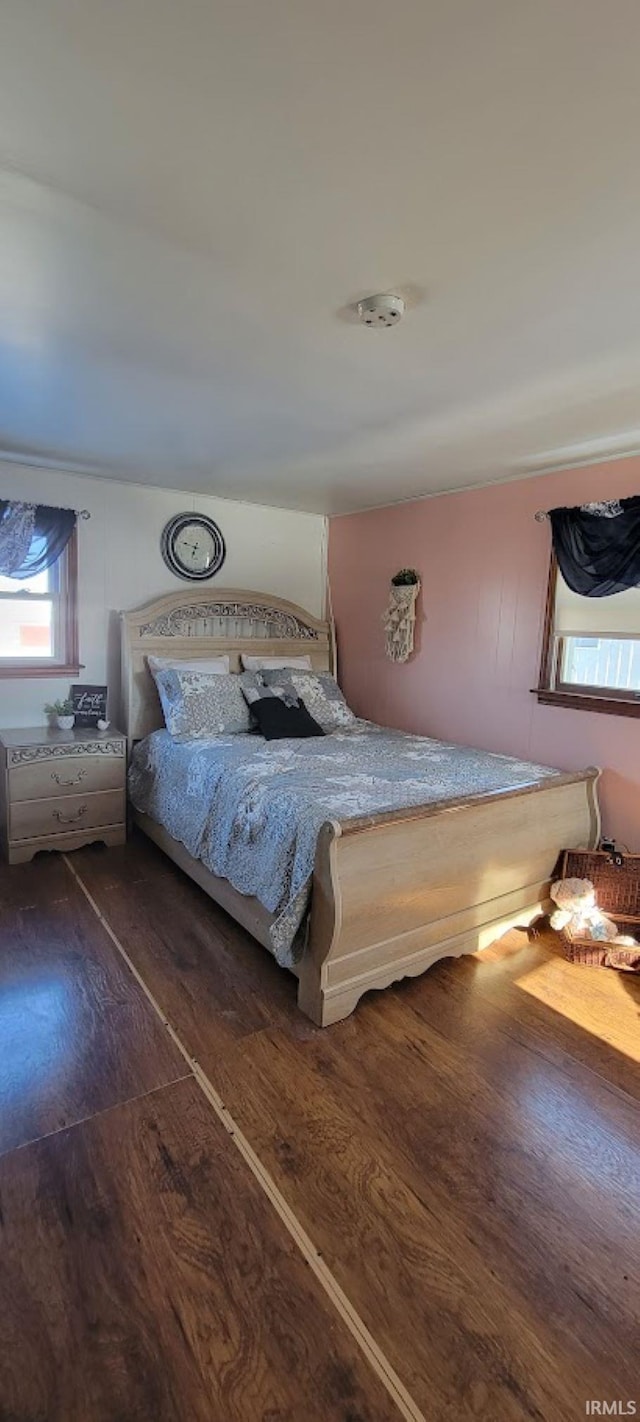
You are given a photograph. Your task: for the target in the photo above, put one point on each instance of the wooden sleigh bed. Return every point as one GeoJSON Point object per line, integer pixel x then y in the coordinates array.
{"type": "Point", "coordinates": [392, 893]}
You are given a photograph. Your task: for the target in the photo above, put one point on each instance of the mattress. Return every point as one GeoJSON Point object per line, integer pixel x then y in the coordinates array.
{"type": "Point", "coordinates": [251, 810]}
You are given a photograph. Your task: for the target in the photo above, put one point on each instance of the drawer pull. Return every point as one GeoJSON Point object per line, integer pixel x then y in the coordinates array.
{"type": "Point", "coordinates": [69, 819]}
{"type": "Point", "coordinates": [80, 776]}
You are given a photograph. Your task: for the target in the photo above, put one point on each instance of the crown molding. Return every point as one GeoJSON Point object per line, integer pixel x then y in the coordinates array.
{"type": "Point", "coordinates": [63, 466]}
{"type": "Point", "coordinates": [106, 472]}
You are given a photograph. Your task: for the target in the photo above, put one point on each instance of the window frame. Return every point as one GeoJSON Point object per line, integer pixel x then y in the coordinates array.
{"type": "Point", "coordinates": [550, 691]}
{"type": "Point", "coordinates": [66, 632]}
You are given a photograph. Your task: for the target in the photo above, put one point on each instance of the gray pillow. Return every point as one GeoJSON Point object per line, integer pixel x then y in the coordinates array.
{"type": "Point", "coordinates": [319, 691]}
{"type": "Point", "coordinates": [253, 689]}
{"type": "Point", "coordinates": [197, 704]}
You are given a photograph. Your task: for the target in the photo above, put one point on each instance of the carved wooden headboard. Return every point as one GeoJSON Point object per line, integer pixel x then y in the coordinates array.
{"type": "Point", "coordinates": [199, 623]}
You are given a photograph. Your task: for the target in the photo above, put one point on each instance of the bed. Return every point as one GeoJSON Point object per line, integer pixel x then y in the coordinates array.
{"type": "Point", "coordinates": [391, 890]}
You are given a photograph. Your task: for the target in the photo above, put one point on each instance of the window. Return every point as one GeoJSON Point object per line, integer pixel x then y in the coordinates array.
{"type": "Point", "coordinates": [591, 651]}
{"type": "Point", "coordinates": [38, 620]}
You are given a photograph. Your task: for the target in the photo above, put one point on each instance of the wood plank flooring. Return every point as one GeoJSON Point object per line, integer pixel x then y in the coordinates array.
{"type": "Point", "coordinates": [464, 1154]}
{"type": "Point", "coordinates": [160, 1283]}
{"type": "Point", "coordinates": [220, 984]}
{"type": "Point", "coordinates": [76, 1031]}
{"type": "Point", "coordinates": [457, 1202]}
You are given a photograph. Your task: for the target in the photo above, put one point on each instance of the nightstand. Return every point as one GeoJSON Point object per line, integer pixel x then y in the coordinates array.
{"type": "Point", "coordinates": [61, 789]}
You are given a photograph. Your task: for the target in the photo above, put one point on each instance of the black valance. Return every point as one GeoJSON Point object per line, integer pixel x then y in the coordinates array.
{"type": "Point", "coordinates": [32, 537]}
{"type": "Point", "coordinates": [598, 546]}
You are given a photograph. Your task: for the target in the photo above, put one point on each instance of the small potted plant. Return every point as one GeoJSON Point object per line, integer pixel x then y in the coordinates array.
{"type": "Point", "coordinates": [406, 578]}
{"type": "Point", "coordinates": [63, 712]}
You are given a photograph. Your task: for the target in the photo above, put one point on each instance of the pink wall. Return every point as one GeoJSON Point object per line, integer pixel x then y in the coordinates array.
{"type": "Point", "coordinates": [483, 561]}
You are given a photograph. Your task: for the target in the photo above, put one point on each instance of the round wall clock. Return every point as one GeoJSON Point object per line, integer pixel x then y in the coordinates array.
{"type": "Point", "coordinates": [192, 546]}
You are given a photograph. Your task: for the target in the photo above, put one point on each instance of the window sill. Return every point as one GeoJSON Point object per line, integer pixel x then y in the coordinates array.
{"type": "Point", "coordinates": [578, 701]}
{"type": "Point", "coordinates": [17, 672]}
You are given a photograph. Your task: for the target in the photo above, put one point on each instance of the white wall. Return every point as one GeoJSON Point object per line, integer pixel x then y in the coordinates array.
{"type": "Point", "coordinates": [120, 565]}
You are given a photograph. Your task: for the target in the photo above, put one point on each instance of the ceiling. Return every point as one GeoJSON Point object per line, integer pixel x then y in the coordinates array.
{"type": "Point", "coordinates": [194, 192]}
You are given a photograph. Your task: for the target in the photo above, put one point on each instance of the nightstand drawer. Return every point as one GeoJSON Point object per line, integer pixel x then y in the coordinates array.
{"type": "Point", "coordinates": [32, 819]}
{"type": "Point", "coordinates": [67, 775]}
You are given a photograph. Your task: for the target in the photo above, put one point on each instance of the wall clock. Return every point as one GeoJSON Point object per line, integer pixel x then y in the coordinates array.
{"type": "Point", "coordinates": [192, 546]}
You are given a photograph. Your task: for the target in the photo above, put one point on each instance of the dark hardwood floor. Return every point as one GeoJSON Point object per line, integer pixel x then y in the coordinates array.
{"type": "Point", "coordinates": [77, 1034]}
{"type": "Point", "coordinates": [160, 1284]}
{"type": "Point", "coordinates": [464, 1153]}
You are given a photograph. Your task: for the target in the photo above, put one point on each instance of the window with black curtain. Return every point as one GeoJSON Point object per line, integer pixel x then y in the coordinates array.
{"type": "Point", "coordinates": [591, 650]}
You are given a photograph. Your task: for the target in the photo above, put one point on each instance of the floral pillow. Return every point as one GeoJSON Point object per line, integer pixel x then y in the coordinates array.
{"type": "Point", "coordinates": [319, 691]}
{"type": "Point", "coordinates": [197, 704]}
{"type": "Point", "coordinates": [254, 690]}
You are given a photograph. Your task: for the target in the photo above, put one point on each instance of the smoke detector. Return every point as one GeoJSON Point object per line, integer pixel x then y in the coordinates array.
{"type": "Point", "coordinates": [381, 310]}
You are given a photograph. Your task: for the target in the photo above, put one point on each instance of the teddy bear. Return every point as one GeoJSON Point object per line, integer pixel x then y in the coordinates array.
{"type": "Point", "coordinates": [577, 911]}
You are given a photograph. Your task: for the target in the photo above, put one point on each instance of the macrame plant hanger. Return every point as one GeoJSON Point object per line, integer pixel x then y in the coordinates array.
{"type": "Point", "coordinates": [399, 619]}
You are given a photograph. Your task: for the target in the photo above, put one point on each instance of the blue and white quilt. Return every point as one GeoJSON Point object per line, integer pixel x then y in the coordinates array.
{"type": "Point", "coordinates": [251, 810]}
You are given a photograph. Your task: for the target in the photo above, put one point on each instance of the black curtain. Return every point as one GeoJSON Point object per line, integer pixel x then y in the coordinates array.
{"type": "Point", "coordinates": [598, 546]}
{"type": "Point", "coordinates": [52, 529]}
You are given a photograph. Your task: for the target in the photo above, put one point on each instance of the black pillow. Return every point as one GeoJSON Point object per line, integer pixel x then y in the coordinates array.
{"type": "Point", "coordinates": [276, 720]}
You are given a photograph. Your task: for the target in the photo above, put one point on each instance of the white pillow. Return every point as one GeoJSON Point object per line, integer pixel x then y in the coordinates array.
{"type": "Point", "coordinates": [211, 666]}
{"type": "Point", "coordinates": [274, 663]}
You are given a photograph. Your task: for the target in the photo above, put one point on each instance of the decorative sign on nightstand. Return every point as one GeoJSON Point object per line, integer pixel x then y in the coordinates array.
{"type": "Point", "coordinates": [89, 704]}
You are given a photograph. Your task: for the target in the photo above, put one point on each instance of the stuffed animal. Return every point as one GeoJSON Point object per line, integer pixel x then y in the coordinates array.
{"type": "Point", "coordinates": [577, 911]}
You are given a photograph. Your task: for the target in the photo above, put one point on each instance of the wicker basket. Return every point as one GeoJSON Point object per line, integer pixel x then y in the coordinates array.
{"type": "Point", "coordinates": [618, 894]}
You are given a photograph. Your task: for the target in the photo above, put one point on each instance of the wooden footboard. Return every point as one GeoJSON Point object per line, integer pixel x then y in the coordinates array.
{"type": "Point", "coordinates": [395, 892]}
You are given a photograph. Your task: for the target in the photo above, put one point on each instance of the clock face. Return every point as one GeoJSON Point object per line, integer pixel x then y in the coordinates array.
{"type": "Point", "coordinates": [193, 546]}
